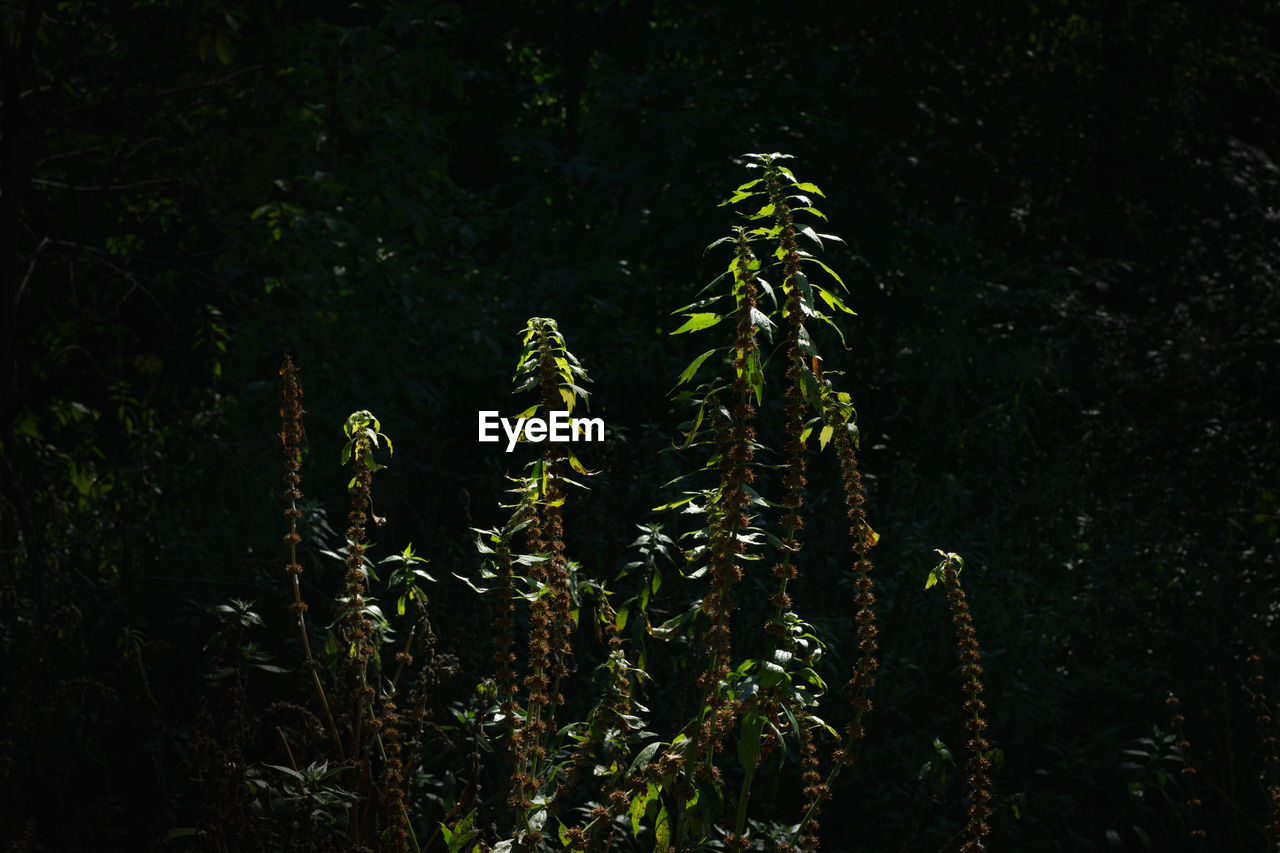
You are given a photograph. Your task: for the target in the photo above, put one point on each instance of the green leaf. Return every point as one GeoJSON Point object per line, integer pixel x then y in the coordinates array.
{"type": "Point", "coordinates": [662, 832]}
{"type": "Point", "coordinates": [813, 210]}
{"type": "Point", "coordinates": [697, 322]}
{"type": "Point", "coordinates": [833, 300]}
{"type": "Point", "coordinates": [620, 621]}
{"type": "Point", "coordinates": [689, 371]}
{"type": "Point", "coordinates": [825, 436]}
{"type": "Point", "coordinates": [760, 320]}
{"type": "Point", "coordinates": [577, 465]}
{"type": "Point", "coordinates": [749, 740]}
{"type": "Point", "coordinates": [736, 197]}
{"type": "Point", "coordinates": [812, 235]}
{"type": "Point", "coordinates": [755, 377]}
{"type": "Point", "coordinates": [772, 674]}
{"type": "Point", "coordinates": [642, 760]}
{"type": "Point", "coordinates": [702, 303]}
{"type": "Point", "coordinates": [467, 581]}
{"type": "Point", "coordinates": [829, 270]}
{"type": "Point", "coordinates": [222, 46]}
{"type": "Point", "coordinates": [809, 188]}
{"type": "Point", "coordinates": [289, 771]}
{"type": "Point", "coordinates": [637, 809]}
{"type": "Point", "coordinates": [806, 291]}
{"type": "Point", "coordinates": [674, 504]}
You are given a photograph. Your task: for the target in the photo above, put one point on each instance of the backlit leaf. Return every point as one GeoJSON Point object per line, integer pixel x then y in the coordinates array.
{"type": "Point", "coordinates": [688, 372]}
{"type": "Point", "coordinates": [697, 322]}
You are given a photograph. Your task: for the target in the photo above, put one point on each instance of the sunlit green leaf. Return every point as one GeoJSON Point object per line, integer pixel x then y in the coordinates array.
{"type": "Point", "coordinates": [692, 369]}
{"type": "Point", "coordinates": [697, 322]}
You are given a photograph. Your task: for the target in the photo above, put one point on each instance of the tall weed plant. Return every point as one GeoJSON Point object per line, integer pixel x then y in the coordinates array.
{"type": "Point", "coordinates": [648, 706]}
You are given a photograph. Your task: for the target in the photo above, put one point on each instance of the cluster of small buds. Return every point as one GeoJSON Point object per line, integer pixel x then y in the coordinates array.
{"type": "Point", "coordinates": [735, 439]}
{"type": "Point", "coordinates": [291, 434]}
{"type": "Point", "coordinates": [1264, 717]}
{"type": "Point", "coordinates": [553, 513]}
{"type": "Point", "coordinates": [815, 790]}
{"type": "Point", "coordinates": [550, 621]}
{"type": "Point", "coordinates": [504, 628]}
{"type": "Point", "coordinates": [793, 478]}
{"type": "Point", "coordinates": [525, 739]}
{"type": "Point", "coordinates": [977, 829]}
{"type": "Point", "coordinates": [1188, 771]}
{"type": "Point", "coordinates": [616, 703]}
{"type": "Point", "coordinates": [725, 548]}
{"type": "Point", "coordinates": [358, 628]}
{"type": "Point", "coordinates": [863, 539]}
{"type": "Point", "coordinates": [391, 791]}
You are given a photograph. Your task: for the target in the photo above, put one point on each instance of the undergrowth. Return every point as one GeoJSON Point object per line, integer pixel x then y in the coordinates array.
{"type": "Point", "coordinates": [644, 706]}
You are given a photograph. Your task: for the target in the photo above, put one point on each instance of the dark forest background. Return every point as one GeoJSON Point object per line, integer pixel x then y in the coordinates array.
{"type": "Point", "coordinates": [1063, 226]}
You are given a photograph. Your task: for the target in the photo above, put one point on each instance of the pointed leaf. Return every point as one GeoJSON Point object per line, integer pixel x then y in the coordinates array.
{"type": "Point", "coordinates": [833, 300]}
{"type": "Point", "coordinates": [697, 322]}
{"type": "Point", "coordinates": [688, 372]}
{"type": "Point", "coordinates": [812, 235]}
{"type": "Point", "coordinates": [829, 270]}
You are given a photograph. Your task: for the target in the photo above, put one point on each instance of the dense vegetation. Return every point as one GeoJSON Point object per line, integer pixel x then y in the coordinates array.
{"type": "Point", "coordinates": [1063, 243]}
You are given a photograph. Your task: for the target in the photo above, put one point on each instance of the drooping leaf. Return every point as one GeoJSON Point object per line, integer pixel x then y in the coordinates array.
{"type": "Point", "coordinates": [833, 300]}
{"type": "Point", "coordinates": [812, 235]}
{"type": "Point", "coordinates": [662, 832]}
{"type": "Point", "coordinates": [638, 806]}
{"type": "Point", "coordinates": [761, 321]}
{"type": "Point", "coordinates": [749, 740]}
{"type": "Point", "coordinates": [688, 372]}
{"type": "Point", "coordinates": [829, 270]}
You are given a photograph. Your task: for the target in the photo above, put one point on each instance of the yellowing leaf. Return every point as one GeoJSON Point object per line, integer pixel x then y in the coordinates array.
{"type": "Point", "coordinates": [222, 45]}
{"type": "Point", "coordinates": [662, 832]}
